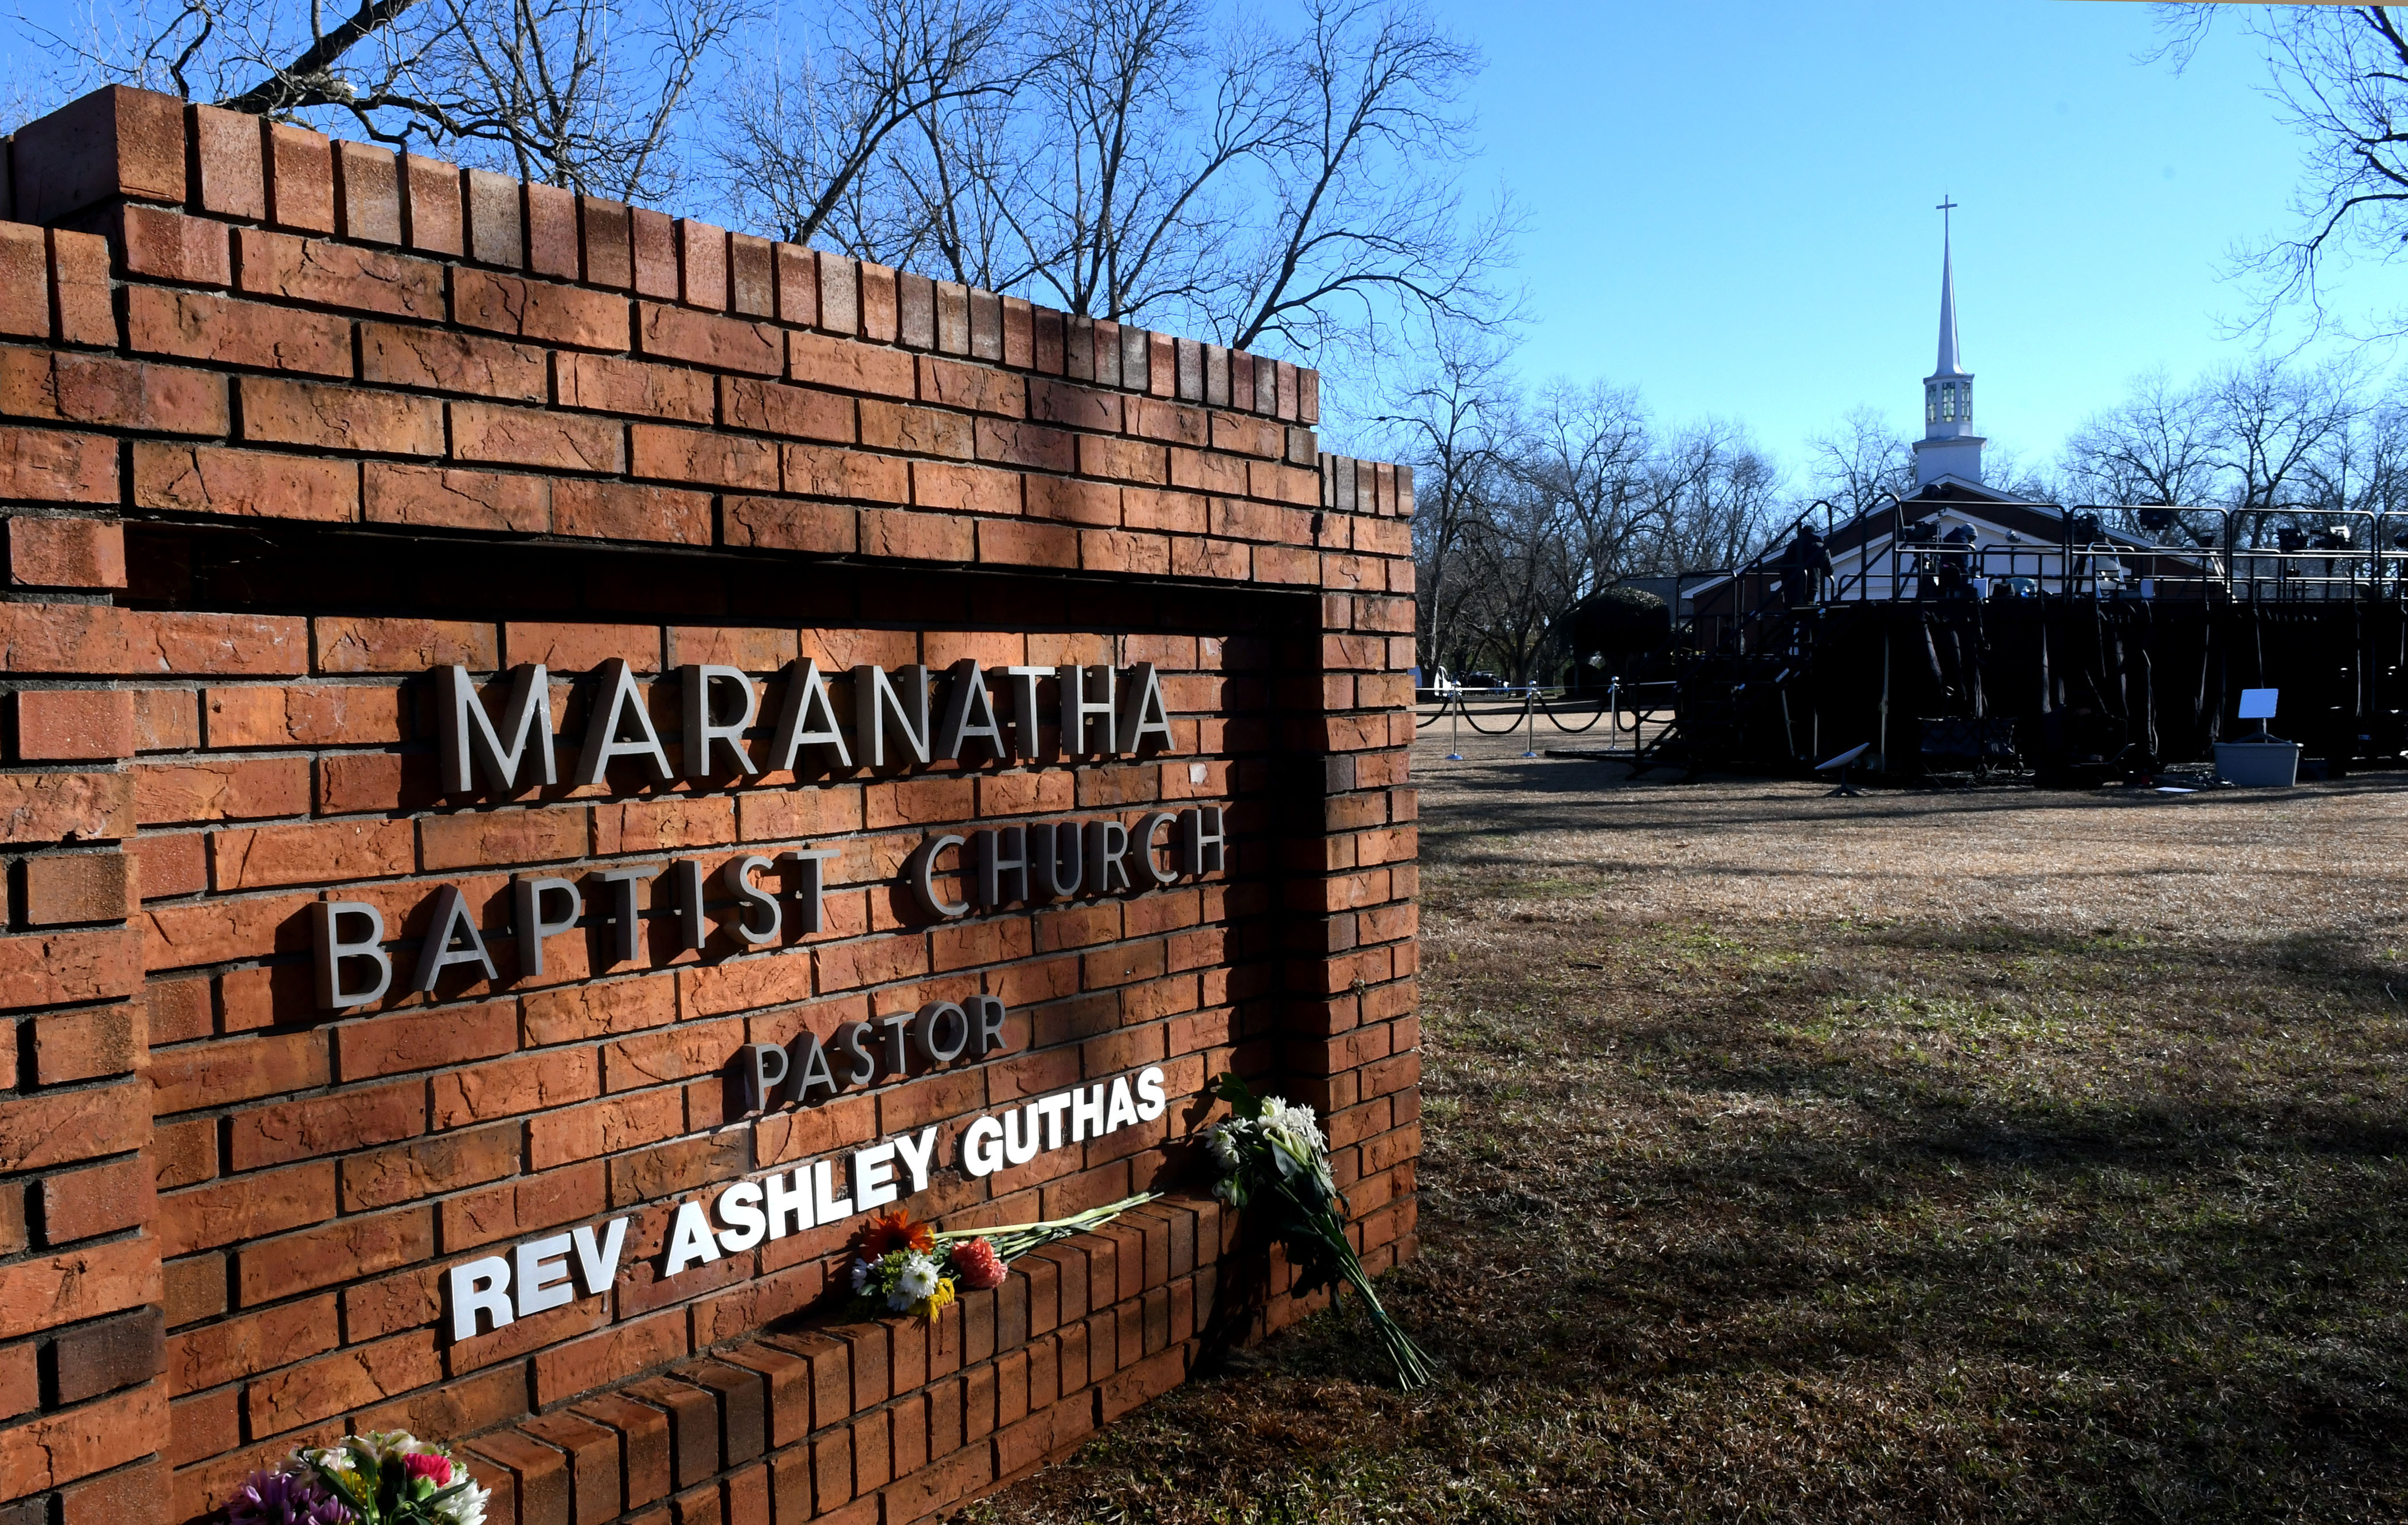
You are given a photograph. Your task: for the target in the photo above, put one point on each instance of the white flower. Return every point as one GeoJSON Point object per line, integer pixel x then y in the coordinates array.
{"type": "Point", "coordinates": [1296, 1122]}
{"type": "Point", "coordinates": [918, 1279]}
{"type": "Point", "coordinates": [1224, 1146]}
{"type": "Point", "coordinates": [860, 1274]}
{"type": "Point", "coordinates": [467, 1507]}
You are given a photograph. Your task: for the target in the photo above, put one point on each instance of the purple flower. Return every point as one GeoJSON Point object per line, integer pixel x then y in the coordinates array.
{"type": "Point", "coordinates": [287, 1497]}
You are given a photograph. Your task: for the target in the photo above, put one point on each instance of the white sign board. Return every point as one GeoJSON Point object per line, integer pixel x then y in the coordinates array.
{"type": "Point", "coordinates": [2257, 703]}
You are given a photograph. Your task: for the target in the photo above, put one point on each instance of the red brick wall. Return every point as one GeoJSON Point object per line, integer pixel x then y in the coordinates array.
{"type": "Point", "coordinates": [286, 424]}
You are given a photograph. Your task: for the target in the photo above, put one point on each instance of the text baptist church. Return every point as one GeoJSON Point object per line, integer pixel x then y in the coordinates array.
{"type": "Point", "coordinates": [1102, 712]}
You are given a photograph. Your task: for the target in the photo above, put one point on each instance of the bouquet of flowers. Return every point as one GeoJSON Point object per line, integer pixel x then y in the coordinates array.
{"type": "Point", "coordinates": [903, 1266]}
{"type": "Point", "coordinates": [387, 1478]}
{"type": "Point", "coordinates": [1272, 1156]}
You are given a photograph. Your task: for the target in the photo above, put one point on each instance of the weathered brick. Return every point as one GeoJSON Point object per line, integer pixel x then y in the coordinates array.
{"type": "Point", "coordinates": [80, 295]}
{"type": "Point", "coordinates": [221, 789]}
{"type": "Point", "coordinates": [430, 1166]}
{"type": "Point", "coordinates": [515, 502]}
{"type": "Point", "coordinates": [620, 511]}
{"type": "Point", "coordinates": [349, 644]}
{"type": "Point", "coordinates": [62, 888]}
{"type": "Point", "coordinates": [702, 456]}
{"type": "Point", "coordinates": [820, 361]}
{"type": "Point", "coordinates": [47, 1291]}
{"type": "Point", "coordinates": [338, 274]}
{"type": "Point", "coordinates": [67, 552]}
{"type": "Point", "coordinates": [104, 1199]}
{"type": "Point", "coordinates": [614, 384]}
{"type": "Point", "coordinates": [329, 1124]}
{"type": "Point", "coordinates": [61, 386]}
{"type": "Point", "coordinates": [707, 338]}
{"type": "Point", "coordinates": [58, 725]}
{"type": "Point", "coordinates": [966, 489]}
{"type": "Point", "coordinates": [349, 418]}
{"type": "Point", "coordinates": [445, 360]}
{"type": "Point", "coordinates": [238, 1346]}
{"type": "Point", "coordinates": [538, 311]}
{"type": "Point", "coordinates": [246, 483]}
{"type": "Point", "coordinates": [199, 326]}
{"type": "Point", "coordinates": [25, 282]}
{"type": "Point", "coordinates": [300, 179]}
{"type": "Point", "coordinates": [270, 1269]}
{"type": "Point", "coordinates": [245, 1207]}
{"type": "Point", "coordinates": [239, 1070]}
{"type": "Point", "coordinates": [47, 808]}
{"type": "Point", "coordinates": [535, 437]}
{"type": "Point", "coordinates": [64, 1127]}
{"type": "Point", "coordinates": [399, 1042]}
{"type": "Point", "coordinates": [45, 466]}
{"type": "Point", "coordinates": [58, 1449]}
{"type": "Point", "coordinates": [780, 524]}
{"type": "Point", "coordinates": [96, 639]}
{"type": "Point", "coordinates": [430, 193]}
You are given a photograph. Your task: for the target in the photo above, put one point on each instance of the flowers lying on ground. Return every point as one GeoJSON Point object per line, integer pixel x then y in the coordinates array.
{"type": "Point", "coordinates": [386, 1478]}
{"type": "Point", "coordinates": [1272, 1156]}
{"type": "Point", "coordinates": [908, 1267]}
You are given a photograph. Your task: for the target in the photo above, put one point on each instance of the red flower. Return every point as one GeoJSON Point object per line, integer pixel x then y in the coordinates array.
{"type": "Point", "coordinates": [978, 1265]}
{"type": "Point", "coordinates": [890, 1232]}
{"type": "Point", "coordinates": [435, 1469]}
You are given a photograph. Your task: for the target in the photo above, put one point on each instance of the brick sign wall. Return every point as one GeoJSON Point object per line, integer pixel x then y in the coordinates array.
{"type": "Point", "coordinates": [309, 457]}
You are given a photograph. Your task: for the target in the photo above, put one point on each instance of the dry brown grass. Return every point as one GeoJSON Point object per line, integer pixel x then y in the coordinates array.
{"type": "Point", "coordinates": [1996, 1155]}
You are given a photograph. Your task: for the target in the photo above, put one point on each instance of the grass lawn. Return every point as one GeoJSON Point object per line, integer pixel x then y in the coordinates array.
{"type": "Point", "coordinates": [1995, 1156]}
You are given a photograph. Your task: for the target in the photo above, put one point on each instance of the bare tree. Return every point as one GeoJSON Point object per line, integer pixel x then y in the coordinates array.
{"type": "Point", "coordinates": [2339, 74]}
{"type": "Point", "coordinates": [2272, 422]}
{"type": "Point", "coordinates": [824, 148]}
{"type": "Point", "coordinates": [2158, 445]}
{"type": "Point", "coordinates": [1520, 570]}
{"type": "Point", "coordinates": [1714, 499]}
{"type": "Point", "coordinates": [1367, 217]}
{"type": "Point", "coordinates": [1585, 449]}
{"type": "Point", "coordinates": [2363, 469]}
{"type": "Point", "coordinates": [2013, 475]}
{"type": "Point", "coordinates": [1176, 163]}
{"type": "Point", "coordinates": [592, 95]}
{"type": "Point", "coordinates": [1453, 424]}
{"type": "Point", "coordinates": [1860, 462]}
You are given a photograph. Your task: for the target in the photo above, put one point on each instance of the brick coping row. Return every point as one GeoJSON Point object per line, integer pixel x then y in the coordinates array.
{"type": "Point", "coordinates": [892, 1421]}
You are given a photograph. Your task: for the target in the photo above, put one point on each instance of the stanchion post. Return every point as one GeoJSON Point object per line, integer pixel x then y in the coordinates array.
{"type": "Point", "coordinates": [1530, 719]}
{"type": "Point", "coordinates": [1457, 698]}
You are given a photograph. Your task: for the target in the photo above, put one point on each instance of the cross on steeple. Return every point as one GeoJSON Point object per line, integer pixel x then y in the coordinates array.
{"type": "Point", "coordinates": [1945, 207]}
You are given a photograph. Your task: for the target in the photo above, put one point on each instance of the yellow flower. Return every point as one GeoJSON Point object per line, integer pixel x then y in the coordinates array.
{"type": "Point", "coordinates": [938, 1298]}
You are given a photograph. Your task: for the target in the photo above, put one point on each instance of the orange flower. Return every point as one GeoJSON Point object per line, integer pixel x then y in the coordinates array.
{"type": "Point", "coordinates": [889, 1231]}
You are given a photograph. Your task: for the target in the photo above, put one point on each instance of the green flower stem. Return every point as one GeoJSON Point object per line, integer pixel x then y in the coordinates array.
{"type": "Point", "coordinates": [1414, 1368]}
{"type": "Point", "coordinates": [1013, 1240]}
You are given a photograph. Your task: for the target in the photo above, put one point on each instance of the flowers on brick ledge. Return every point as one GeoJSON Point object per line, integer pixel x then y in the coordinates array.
{"type": "Point", "coordinates": [386, 1478]}
{"type": "Point", "coordinates": [900, 1265]}
{"type": "Point", "coordinates": [1274, 1158]}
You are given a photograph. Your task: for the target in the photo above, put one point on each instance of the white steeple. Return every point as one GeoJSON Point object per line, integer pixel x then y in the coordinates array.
{"type": "Point", "coordinates": [1947, 365]}
{"type": "Point", "coordinates": [1949, 446]}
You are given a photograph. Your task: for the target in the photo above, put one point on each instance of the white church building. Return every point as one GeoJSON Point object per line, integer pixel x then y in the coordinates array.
{"type": "Point", "coordinates": [1953, 522]}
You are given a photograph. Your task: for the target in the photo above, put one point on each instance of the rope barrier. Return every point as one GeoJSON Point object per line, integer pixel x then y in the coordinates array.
{"type": "Point", "coordinates": [1454, 702]}
{"type": "Point", "coordinates": [1507, 730]}
{"type": "Point", "coordinates": [1552, 719]}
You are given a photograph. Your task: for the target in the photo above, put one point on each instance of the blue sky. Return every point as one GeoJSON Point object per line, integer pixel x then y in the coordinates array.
{"type": "Point", "coordinates": [1731, 204]}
